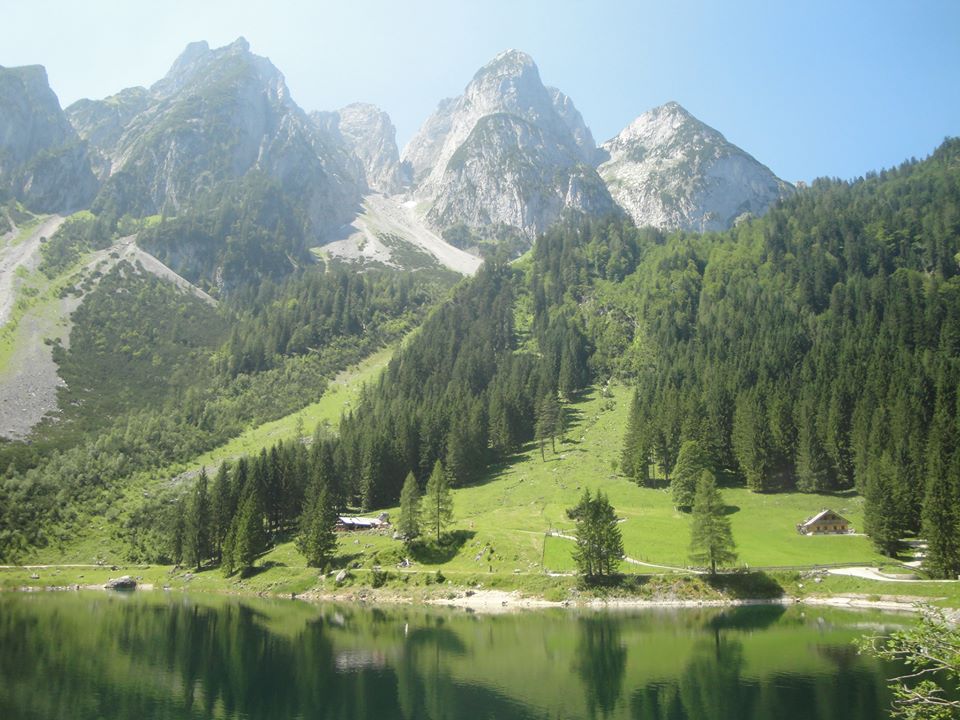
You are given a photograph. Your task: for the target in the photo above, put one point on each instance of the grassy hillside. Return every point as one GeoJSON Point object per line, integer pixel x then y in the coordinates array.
{"type": "Point", "coordinates": [501, 523]}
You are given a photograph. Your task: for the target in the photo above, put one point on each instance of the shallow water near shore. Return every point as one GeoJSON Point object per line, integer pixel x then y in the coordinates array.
{"type": "Point", "coordinates": [156, 655]}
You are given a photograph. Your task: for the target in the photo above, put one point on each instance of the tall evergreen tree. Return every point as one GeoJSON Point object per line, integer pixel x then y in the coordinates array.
{"type": "Point", "coordinates": [317, 540]}
{"type": "Point", "coordinates": [691, 462]}
{"type": "Point", "coordinates": [199, 521]}
{"type": "Point", "coordinates": [437, 501]}
{"type": "Point", "coordinates": [222, 509]}
{"type": "Point", "coordinates": [599, 541]}
{"type": "Point", "coordinates": [178, 532]}
{"type": "Point", "coordinates": [250, 537]}
{"type": "Point", "coordinates": [549, 421]}
{"type": "Point", "coordinates": [409, 523]}
{"type": "Point", "coordinates": [882, 519]}
{"type": "Point", "coordinates": [941, 504]}
{"type": "Point", "coordinates": [711, 540]}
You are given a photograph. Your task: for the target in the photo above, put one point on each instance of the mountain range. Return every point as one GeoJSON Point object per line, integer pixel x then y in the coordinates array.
{"type": "Point", "coordinates": [505, 159]}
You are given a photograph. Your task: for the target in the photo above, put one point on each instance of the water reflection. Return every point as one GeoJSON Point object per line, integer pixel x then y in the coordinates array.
{"type": "Point", "coordinates": [154, 656]}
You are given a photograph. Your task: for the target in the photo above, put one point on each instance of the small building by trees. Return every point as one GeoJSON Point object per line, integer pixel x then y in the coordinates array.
{"type": "Point", "coordinates": [823, 523]}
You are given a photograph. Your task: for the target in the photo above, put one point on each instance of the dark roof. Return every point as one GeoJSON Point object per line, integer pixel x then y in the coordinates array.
{"type": "Point", "coordinates": [820, 515]}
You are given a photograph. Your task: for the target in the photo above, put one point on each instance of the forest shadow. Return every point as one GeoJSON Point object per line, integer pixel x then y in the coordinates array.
{"type": "Point", "coordinates": [746, 585]}
{"type": "Point", "coordinates": [731, 509]}
{"type": "Point", "coordinates": [255, 570]}
{"type": "Point", "coordinates": [430, 552]}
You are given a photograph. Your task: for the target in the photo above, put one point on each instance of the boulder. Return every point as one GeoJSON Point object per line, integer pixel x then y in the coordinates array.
{"type": "Point", "coordinates": [121, 583]}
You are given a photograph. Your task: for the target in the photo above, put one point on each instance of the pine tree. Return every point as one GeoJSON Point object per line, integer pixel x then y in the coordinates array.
{"type": "Point", "coordinates": [941, 514]}
{"type": "Point", "coordinates": [317, 540]}
{"type": "Point", "coordinates": [599, 542]}
{"type": "Point", "coordinates": [409, 523]}
{"type": "Point", "coordinates": [691, 462]}
{"type": "Point", "coordinates": [223, 507]}
{"type": "Point", "coordinates": [437, 502]}
{"type": "Point", "coordinates": [634, 462]}
{"type": "Point", "coordinates": [250, 536]}
{"type": "Point", "coordinates": [228, 557]}
{"type": "Point", "coordinates": [178, 532]}
{"type": "Point", "coordinates": [881, 516]}
{"type": "Point", "coordinates": [751, 440]}
{"type": "Point", "coordinates": [549, 422]}
{"type": "Point", "coordinates": [711, 540]}
{"type": "Point", "coordinates": [197, 545]}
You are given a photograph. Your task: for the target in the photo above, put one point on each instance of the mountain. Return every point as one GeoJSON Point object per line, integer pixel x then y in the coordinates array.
{"type": "Point", "coordinates": [102, 122]}
{"type": "Point", "coordinates": [43, 162]}
{"type": "Point", "coordinates": [217, 116]}
{"type": "Point", "coordinates": [508, 152]}
{"type": "Point", "coordinates": [669, 170]}
{"type": "Point", "coordinates": [371, 136]}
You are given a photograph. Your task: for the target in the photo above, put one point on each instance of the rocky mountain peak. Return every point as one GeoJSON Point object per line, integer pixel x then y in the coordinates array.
{"type": "Point", "coordinates": [199, 66]}
{"type": "Point", "coordinates": [508, 152]}
{"type": "Point", "coordinates": [43, 162]}
{"type": "Point", "coordinates": [670, 170]}
{"type": "Point", "coordinates": [218, 116]}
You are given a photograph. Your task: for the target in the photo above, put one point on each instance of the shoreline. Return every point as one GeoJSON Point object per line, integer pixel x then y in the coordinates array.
{"type": "Point", "coordinates": [495, 602]}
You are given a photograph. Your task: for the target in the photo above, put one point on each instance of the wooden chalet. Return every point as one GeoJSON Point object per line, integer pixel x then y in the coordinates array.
{"type": "Point", "coordinates": [823, 523]}
{"type": "Point", "coordinates": [353, 522]}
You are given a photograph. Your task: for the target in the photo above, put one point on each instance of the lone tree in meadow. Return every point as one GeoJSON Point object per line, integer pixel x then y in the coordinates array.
{"type": "Point", "coordinates": [711, 540]}
{"type": "Point", "coordinates": [409, 523]}
{"type": "Point", "coordinates": [437, 502]}
{"type": "Point", "coordinates": [599, 543]}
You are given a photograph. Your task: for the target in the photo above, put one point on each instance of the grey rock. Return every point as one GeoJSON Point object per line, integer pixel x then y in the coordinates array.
{"type": "Point", "coordinates": [216, 117]}
{"type": "Point", "coordinates": [371, 136]}
{"type": "Point", "coordinates": [43, 162]}
{"type": "Point", "coordinates": [509, 152]}
{"type": "Point", "coordinates": [342, 576]}
{"type": "Point", "coordinates": [121, 583]}
{"type": "Point", "coordinates": [669, 170]}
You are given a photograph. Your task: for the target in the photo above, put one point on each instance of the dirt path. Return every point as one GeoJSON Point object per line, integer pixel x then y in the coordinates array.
{"type": "Point", "coordinates": [869, 573]}
{"type": "Point", "coordinates": [634, 561]}
{"type": "Point", "coordinates": [17, 252]}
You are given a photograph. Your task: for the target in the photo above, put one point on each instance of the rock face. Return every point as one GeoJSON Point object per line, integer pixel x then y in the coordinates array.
{"type": "Point", "coordinates": [371, 136]}
{"type": "Point", "coordinates": [43, 161]}
{"type": "Point", "coordinates": [102, 122]}
{"type": "Point", "coordinates": [217, 117]}
{"type": "Point", "coordinates": [508, 152]}
{"type": "Point", "coordinates": [669, 170]}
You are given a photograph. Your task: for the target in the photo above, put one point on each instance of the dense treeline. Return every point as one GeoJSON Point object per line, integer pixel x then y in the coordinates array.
{"type": "Point", "coordinates": [199, 395]}
{"type": "Point", "coordinates": [241, 234]}
{"type": "Point", "coordinates": [463, 391]}
{"type": "Point", "coordinates": [310, 310]}
{"type": "Point", "coordinates": [815, 349]}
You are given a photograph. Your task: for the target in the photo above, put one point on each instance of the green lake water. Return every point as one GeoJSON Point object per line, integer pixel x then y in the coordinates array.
{"type": "Point", "coordinates": [155, 656]}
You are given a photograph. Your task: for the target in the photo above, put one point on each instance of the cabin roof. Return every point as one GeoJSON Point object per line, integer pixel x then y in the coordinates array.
{"type": "Point", "coordinates": [821, 514]}
{"type": "Point", "coordinates": [360, 521]}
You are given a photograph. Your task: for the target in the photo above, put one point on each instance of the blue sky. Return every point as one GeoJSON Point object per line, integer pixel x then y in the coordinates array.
{"type": "Point", "coordinates": [810, 88]}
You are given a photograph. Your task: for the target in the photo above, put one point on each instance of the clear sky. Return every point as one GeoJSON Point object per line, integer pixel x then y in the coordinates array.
{"type": "Point", "coordinates": [808, 87]}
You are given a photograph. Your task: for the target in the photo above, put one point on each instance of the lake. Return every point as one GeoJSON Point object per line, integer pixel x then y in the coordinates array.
{"type": "Point", "coordinates": [157, 656]}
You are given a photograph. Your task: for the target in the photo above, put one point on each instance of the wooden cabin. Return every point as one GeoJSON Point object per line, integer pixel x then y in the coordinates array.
{"type": "Point", "coordinates": [823, 523]}
{"type": "Point", "coordinates": [352, 522]}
